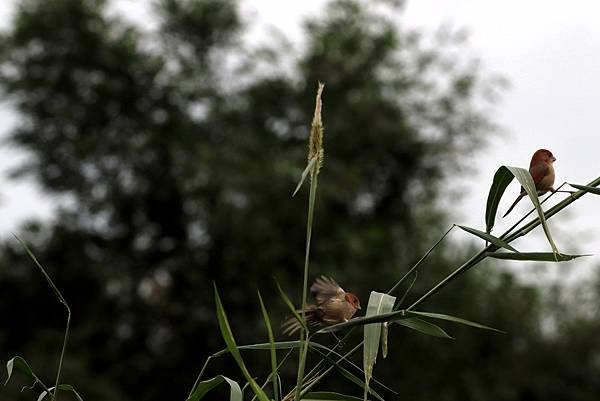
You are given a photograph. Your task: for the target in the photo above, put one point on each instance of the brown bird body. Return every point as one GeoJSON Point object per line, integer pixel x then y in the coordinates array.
{"type": "Point", "coordinates": [333, 305]}
{"type": "Point", "coordinates": [542, 171]}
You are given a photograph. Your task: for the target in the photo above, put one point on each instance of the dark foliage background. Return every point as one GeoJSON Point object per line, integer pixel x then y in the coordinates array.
{"type": "Point", "coordinates": [177, 151]}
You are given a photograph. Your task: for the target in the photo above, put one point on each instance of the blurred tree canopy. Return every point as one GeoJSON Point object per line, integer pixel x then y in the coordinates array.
{"type": "Point", "coordinates": [176, 151]}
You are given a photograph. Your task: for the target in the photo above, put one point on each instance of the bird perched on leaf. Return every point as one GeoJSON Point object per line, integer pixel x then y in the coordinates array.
{"type": "Point", "coordinates": [333, 305]}
{"type": "Point", "coordinates": [542, 171]}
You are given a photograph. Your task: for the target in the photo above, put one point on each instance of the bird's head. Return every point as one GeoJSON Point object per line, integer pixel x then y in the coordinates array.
{"type": "Point", "coordinates": [352, 300]}
{"type": "Point", "coordinates": [543, 156]}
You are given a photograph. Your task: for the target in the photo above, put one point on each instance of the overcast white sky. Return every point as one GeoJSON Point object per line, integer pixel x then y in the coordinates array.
{"type": "Point", "coordinates": [548, 50]}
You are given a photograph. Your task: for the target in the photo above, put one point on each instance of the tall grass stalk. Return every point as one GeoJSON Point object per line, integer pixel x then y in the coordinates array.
{"type": "Point", "coordinates": [315, 160]}
{"type": "Point", "coordinates": [62, 300]}
{"type": "Point", "coordinates": [304, 333]}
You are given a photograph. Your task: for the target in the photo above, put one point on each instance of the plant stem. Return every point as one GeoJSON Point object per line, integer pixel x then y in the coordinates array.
{"type": "Point", "coordinates": [533, 209]}
{"type": "Point", "coordinates": [303, 333]}
{"type": "Point", "coordinates": [62, 354]}
{"type": "Point", "coordinates": [63, 301]}
{"type": "Point", "coordinates": [200, 375]}
{"type": "Point", "coordinates": [507, 237]}
{"type": "Point", "coordinates": [416, 266]}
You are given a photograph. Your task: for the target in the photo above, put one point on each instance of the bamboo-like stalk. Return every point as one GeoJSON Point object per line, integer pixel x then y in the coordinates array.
{"type": "Point", "coordinates": [508, 238]}
{"type": "Point", "coordinates": [315, 158]}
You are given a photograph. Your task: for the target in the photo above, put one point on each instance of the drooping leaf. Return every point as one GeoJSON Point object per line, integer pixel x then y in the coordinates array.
{"type": "Point", "coordinates": [227, 335]}
{"type": "Point", "coordinates": [329, 396]}
{"type": "Point", "coordinates": [592, 190]}
{"type": "Point", "coordinates": [379, 304]}
{"type": "Point", "coordinates": [488, 237]}
{"type": "Point", "coordinates": [204, 387]}
{"type": "Point", "coordinates": [64, 387]}
{"type": "Point", "coordinates": [502, 178]}
{"type": "Point", "coordinates": [534, 256]}
{"type": "Point", "coordinates": [21, 365]}
{"type": "Point", "coordinates": [526, 181]}
{"type": "Point", "coordinates": [424, 327]}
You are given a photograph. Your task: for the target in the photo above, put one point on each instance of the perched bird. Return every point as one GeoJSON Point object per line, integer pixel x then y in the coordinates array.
{"type": "Point", "coordinates": [334, 305]}
{"type": "Point", "coordinates": [542, 171]}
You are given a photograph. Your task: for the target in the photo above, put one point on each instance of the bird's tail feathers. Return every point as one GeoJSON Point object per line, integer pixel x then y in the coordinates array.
{"type": "Point", "coordinates": [292, 325]}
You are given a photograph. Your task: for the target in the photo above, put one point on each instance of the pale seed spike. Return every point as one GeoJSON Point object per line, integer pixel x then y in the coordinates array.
{"type": "Point", "coordinates": [315, 144]}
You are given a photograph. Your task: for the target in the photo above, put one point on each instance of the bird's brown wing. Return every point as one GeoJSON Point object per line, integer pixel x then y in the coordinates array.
{"type": "Point", "coordinates": [538, 172]}
{"type": "Point", "coordinates": [325, 288]}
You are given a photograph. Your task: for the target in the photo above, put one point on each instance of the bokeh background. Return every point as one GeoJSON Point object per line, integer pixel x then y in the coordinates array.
{"type": "Point", "coordinates": [150, 149]}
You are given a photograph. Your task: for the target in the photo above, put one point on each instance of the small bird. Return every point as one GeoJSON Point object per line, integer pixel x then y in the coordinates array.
{"type": "Point", "coordinates": [334, 305]}
{"type": "Point", "coordinates": [542, 171]}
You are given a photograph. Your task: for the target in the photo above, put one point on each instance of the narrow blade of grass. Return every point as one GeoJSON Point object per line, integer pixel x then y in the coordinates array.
{"type": "Point", "coordinates": [307, 170]}
{"type": "Point", "coordinates": [328, 396]}
{"type": "Point", "coordinates": [204, 387]}
{"type": "Point", "coordinates": [488, 237]}
{"type": "Point", "coordinates": [261, 346]}
{"type": "Point", "coordinates": [534, 256]}
{"type": "Point", "coordinates": [63, 301]}
{"type": "Point", "coordinates": [455, 319]}
{"type": "Point", "coordinates": [592, 190]}
{"type": "Point", "coordinates": [328, 355]}
{"type": "Point", "coordinates": [274, 375]}
{"type": "Point", "coordinates": [424, 327]}
{"type": "Point", "coordinates": [416, 265]}
{"type": "Point", "coordinates": [291, 307]}
{"type": "Point", "coordinates": [354, 379]}
{"type": "Point", "coordinates": [233, 350]}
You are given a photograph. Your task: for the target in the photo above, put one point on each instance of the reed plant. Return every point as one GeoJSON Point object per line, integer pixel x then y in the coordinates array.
{"type": "Point", "coordinates": [384, 309]}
